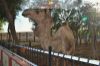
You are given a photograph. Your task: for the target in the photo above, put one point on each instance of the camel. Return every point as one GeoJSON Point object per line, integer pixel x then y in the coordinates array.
{"type": "Point", "coordinates": [60, 41]}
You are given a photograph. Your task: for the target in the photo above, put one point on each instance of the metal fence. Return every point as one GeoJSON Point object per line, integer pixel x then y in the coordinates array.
{"type": "Point", "coordinates": [49, 58]}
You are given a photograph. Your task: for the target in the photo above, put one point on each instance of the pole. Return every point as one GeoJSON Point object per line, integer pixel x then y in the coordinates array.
{"type": "Point", "coordinates": [50, 49]}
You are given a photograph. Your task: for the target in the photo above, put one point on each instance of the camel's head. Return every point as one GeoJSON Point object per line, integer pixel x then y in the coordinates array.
{"type": "Point", "coordinates": [36, 14]}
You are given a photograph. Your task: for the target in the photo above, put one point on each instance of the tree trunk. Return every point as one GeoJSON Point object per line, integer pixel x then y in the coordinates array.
{"type": "Point", "coordinates": [9, 35]}
{"type": "Point", "coordinates": [94, 41]}
{"type": "Point", "coordinates": [76, 36]}
{"type": "Point", "coordinates": [11, 26]}
{"type": "Point", "coordinates": [34, 36]}
{"type": "Point", "coordinates": [80, 42]}
{"type": "Point", "coordinates": [13, 31]}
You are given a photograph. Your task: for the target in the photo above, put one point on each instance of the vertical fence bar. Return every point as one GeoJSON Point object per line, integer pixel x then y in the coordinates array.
{"type": "Point", "coordinates": [50, 49]}
{"type": "Point", "coordinates": [0, 36]}
{"type": "Point", "coordinates": [19, 37]}
{"type": "Point", "coordinates": [26, 36]}
{"type": "Point", "coordinates": [37, 57]}
{"type": "Point", "coordinates": [30, 45]}
{"type": "Point", "coordinates": [72, 61]}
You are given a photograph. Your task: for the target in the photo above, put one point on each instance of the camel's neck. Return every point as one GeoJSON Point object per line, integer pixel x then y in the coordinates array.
{"type": "Point", "coordinates": [44, 27]}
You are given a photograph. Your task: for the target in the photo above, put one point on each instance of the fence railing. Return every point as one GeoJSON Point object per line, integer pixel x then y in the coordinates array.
{"type": "Point", "coordinates": [8, 58]}
{"type": "Point", "coordinates": [50, 58]}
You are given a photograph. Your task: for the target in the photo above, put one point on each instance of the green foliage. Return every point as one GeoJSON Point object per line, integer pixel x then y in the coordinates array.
{"type": "Point", "coordinates": [71, 16]}
{"type": "Point", "coordinates": [13, 5]}
{"type": "Point", "coordinates": [84, 18]}
{"type": "Point", "coordinates": [75, 18]}
{"type": "Point", "coordinates": [56, 19]}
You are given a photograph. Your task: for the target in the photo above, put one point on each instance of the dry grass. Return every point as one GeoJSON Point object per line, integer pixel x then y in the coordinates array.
{"type": "Point", "coordinates": [86, 50]}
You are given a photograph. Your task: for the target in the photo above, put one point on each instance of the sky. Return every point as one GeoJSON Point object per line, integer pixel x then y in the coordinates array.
{"type": "Point", "coordinates": [22, 24]}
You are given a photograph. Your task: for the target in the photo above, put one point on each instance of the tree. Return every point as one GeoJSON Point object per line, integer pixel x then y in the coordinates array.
{"type": "Point", "coordinates": [93, 24]}
{"type": "Point", "coordinates": [78, 17]}
{"type": "Point", "coordinates": [72, 16]}
{"type": "Point", "coordinates": [8, 12]}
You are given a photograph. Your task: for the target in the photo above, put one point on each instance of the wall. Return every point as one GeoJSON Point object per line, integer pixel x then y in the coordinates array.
{"type": "Point", "coordinates": [22, 36]}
